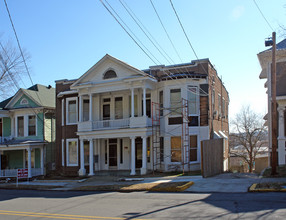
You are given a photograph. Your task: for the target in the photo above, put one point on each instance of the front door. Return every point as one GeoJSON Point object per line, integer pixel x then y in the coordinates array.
{"type": "Point", "coordinates": [112, 152]}
{"type": "Point", "coordinates": [138, 152]}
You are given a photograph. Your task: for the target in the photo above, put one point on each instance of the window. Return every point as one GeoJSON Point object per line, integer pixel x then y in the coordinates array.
{"type": "Point", "coordinates": [109, 74]}
{"type": "Point", "coordinates": [223, 107]}
{"type": "Point", "coordinates": [20, 123]}
{"type": "Point", "coordinates": [32, 125]}
{"type": "Point", "coordinates": [175, 101]}
{"type": "Point", "coordinates": [161, 102]}
{"type": "Point", "coordinates": [219, 103]}
{"type": "Point", "coordinates": [213, 100]}
{"type": "Point", "coordinates": [148, 149]}
{"type": "Point", "coordinates": [193, 148]}
{"type": "Point", "coordinates": [72, 152]}
{"type": "Point", "coordinates": [176, 149]}
{"type": "Point", "coordinates": [85, 110]}
{"type": "Point", "coordinates": [148, 105]}
{"type": "Point", "coordinates": [71, 111]}
{"type": "Point", "coordinates": [121, 150]}
{"type": "Point", "coordinates": [162, 149]}
{"type": "Point", "coordinates": [118, 108]}
{"type": "Point", "coordinates": [24, 102]}
{"type": "Point", "coordinates": [193, 100]}
{"type": "Point", "coordinates": [105, 151]}
{"type": "Point", "coordinates": [86, 152]}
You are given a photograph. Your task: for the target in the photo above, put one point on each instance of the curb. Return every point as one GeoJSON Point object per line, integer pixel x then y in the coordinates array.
{"type": "Point", "coordinates": [252, 188]}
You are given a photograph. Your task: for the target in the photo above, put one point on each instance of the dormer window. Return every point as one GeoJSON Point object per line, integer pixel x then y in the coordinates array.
{"type": "Point", "coordinates": [109, 74]}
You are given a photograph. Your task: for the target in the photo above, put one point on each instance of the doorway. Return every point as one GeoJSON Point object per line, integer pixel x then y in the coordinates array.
{"type": "Point", "coordinates": [113, 153]}
{"type": "Point", "coordinates": [138, 152]}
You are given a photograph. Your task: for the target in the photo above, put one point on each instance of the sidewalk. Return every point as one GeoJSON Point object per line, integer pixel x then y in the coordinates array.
{"type": "Point", "coordinates": [227, 182]}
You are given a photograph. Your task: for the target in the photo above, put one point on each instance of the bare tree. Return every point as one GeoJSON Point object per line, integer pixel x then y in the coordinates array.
{"type": "Point", "coordinates": [249, 135]}
{"type": "Point", "coordinates": [11, 68]}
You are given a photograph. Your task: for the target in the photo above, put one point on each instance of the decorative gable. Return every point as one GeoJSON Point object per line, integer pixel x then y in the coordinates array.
{"type": "Point", "coordinates": [22, 102]}
{"type": "Point", "coordinates": [108, 69]}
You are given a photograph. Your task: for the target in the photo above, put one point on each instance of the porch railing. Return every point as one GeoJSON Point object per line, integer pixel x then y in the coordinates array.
{"type": "Point", "coordinates": [13, 172]}
{"type": "Point", "coordinates": [111, 124]}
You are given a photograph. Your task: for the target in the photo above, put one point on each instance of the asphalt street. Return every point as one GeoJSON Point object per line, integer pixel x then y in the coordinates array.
{"type": "Point", "coordinates": [32, 204]}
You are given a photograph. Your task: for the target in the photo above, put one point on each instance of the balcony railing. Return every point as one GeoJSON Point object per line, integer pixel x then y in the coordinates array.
{"type": "Point", "coordinates": [111, 124]}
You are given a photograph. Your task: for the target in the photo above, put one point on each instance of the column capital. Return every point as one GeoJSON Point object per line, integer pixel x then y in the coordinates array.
{"type": "Point", "coordinates": [280, 108]}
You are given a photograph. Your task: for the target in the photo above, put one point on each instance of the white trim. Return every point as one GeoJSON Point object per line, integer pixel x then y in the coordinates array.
{"type": "Point", "coordinates": [67, 152]}
{"type": "Point", "coordinates": [67, 114]}
{"type": "Point", "coordinates": [63, 112]}
{"type": "Point", "coordinates": [63, 152]}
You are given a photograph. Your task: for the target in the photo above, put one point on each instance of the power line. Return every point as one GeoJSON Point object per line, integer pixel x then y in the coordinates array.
{"type": "Point", "coordinates": [18, 42]}
{"type": "Point", "coordinates": [263, 15]}
{"type": "Point", "coordinates": [184, 29]}
{"type": "Point", "coordinates": [144, 31]}
{"type": "Point", "coordinates": [166, 31]}
{"type": "Point", "coordinates": [128, 32]}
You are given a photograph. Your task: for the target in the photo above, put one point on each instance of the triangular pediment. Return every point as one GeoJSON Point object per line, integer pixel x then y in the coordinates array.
{"type": "Point", "coordinates": [109, 69]}
{"type": "Point", "coordinates": [21, 100]}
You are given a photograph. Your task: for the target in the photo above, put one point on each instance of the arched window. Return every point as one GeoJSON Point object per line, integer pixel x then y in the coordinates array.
{"type": "Point", "coordinates": [109, 74]}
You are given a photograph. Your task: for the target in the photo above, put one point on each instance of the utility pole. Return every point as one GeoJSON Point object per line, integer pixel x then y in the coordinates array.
{"type": "Point", "coordinates": [274, 106]}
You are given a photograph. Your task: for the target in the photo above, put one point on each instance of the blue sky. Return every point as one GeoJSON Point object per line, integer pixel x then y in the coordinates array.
{"type": "Point", "coordinates": [66, 38]}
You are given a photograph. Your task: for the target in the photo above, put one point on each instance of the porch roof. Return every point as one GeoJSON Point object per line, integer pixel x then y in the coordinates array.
{"type": "Point", "coordinates": [23, 142]}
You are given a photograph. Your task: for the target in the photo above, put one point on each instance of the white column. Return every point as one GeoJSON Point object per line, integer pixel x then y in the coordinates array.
{"type": "Point", "coordinates": [29, 163]}
{"type": "Point", "coordinates": [42, 160]}
{"type": "Point", "coordinates": [281, 136]}
{"type": "Point", "coordinates": [132, 102]}
{"type": "Point", "coordinates": [82, 169]}
{"type": "Point", "coordinates": [80, 108]}
{"type": "Point", "coordinates": [98, 142]}
{"type": "Point", "coordinates": [133, 172]}
{"type": "Point", "coordinates": [144, 103]}
{"type": "Point", "coordinates": [90, 107]}
{"type": "Point", "coordinates": [144, 156]}
{"type": "Point", "coordinates": [91, 166]}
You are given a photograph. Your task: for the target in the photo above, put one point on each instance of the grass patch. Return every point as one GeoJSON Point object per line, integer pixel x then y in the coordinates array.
{"type": "Point", "coordinates": [154, 187]}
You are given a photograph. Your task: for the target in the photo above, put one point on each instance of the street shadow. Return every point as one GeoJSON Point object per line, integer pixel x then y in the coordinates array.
{"type": "Point", "coordinates": [240, 204]}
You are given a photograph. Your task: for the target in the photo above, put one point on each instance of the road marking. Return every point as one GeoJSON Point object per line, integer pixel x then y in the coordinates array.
{"type": "Point", "coordinates": [56, 216]}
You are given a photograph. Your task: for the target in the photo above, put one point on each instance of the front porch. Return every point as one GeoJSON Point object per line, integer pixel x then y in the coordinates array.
{"type": "Point", "coordinates": [14, 157]}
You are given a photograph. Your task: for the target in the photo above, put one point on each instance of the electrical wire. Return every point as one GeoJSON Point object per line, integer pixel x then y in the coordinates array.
{"type": "Point", "coordinates": [166, 31]}
{"type": "Point", "coordinates": [263, 15]}
{"type": "Point", "coordinates": [128, 33]}
{"type": "Point", "coordinates": [144, 32]}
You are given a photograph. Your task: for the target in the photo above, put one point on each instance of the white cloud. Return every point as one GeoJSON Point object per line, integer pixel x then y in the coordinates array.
{"type": "Point", "coordinates": [237, 12]}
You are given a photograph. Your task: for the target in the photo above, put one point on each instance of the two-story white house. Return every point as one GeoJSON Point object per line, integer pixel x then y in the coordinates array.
{"type": "Point", "coordinates": [265, 59]}
{"type": "Point", "coordinates": [117, 117]}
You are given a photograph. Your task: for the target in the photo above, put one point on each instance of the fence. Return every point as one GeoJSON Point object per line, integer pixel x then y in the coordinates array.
{"type": "Point", "coordinates": [212, 157]}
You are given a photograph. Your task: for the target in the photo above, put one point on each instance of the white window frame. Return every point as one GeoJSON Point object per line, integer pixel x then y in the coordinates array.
{"type": "Point", "coordinates": [67, 152]}
{"type": "Point", "coordinates": [67, 113]}
{"type": "Point", "coordinates": [36, 124]}
{"type": "Point", "coordinates": [63, 152]}
{"type": "Point", "coordinates": [84, 99]}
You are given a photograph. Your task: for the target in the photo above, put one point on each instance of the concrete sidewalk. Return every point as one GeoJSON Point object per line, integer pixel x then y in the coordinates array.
{"type": "Point", "coordinates": [227, 182]}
